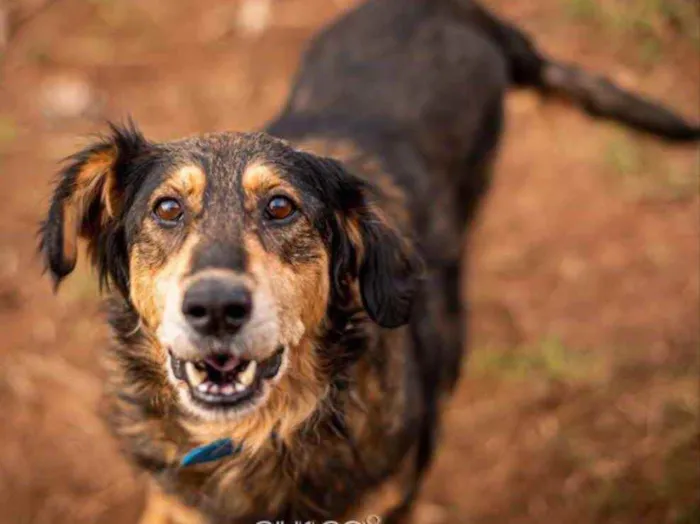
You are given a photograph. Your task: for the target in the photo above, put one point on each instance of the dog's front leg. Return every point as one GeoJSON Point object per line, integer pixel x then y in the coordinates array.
{"type": "Point", "coordinates": [166, 509]}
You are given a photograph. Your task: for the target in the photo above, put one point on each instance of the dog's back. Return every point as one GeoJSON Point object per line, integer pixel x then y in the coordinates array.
{"type": "Point", "coordinates": [431, 75]}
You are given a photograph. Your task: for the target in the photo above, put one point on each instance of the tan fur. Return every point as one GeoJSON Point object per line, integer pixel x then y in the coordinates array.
{"type": "Point", "coordinates": [96, 171]}
{"type": "Point", "coordinates": [70, 231]}
{"type": "Point", "coordinates": [93, 176]}
{"type": "Point", "coordinates": [301, 291]}
{"type": "Point", "coordinates": [151, 282]}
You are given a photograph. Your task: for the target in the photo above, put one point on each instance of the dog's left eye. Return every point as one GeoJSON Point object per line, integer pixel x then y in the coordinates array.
{"type": "Point", "coordinates": [279, 208]}
{"type": "Point", "coordinates": [168, 211]}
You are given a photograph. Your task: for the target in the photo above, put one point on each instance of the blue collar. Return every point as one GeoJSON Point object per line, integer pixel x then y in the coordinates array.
{"type": "Point", "coordinates": [210, 452]}
{"type": "Point", "coordinates": [224, 447]}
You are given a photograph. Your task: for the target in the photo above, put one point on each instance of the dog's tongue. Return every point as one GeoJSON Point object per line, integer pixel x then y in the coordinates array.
{"type": "Point", "coordinates": [223, 363]}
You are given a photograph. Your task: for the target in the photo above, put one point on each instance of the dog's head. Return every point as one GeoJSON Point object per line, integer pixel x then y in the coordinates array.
{"type": "Point", "coordinates": [231, 249]}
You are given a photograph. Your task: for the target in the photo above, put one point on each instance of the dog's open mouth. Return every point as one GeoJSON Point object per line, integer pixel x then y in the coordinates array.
{"type": "Point", "coordinates": [224, 380]}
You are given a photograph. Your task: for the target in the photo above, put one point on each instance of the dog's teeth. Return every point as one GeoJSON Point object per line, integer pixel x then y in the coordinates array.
{"type": "Point", "coordinates": [239, 387]}
{"type": "Point", "coordinates": [203, 387]}
{"type": "Point", "coordinates": [228, 389]}
{"type": "Point", "coordinates": [246, 377]}
{"type": "Point", "coordinates": [214, 389]}
{"type": "Point", "coordinates": [194, 375]}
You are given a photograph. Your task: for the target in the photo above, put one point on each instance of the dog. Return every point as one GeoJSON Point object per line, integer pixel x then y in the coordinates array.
{"type": "Point", "coordinates": [286, 304]}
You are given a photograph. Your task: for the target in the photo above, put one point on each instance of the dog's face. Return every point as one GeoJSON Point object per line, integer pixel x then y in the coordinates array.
{"type": "Point", "coordinates": [231, 248]}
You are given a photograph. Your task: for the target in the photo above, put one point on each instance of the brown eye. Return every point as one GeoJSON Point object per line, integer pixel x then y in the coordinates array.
{"type": "Point", "coordinates": [279, 208]}
{"type": "Point", "coordinates": [168, 210]}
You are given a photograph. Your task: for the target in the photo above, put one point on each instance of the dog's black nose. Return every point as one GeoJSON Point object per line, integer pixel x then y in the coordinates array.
{"type": "Point", "coordinates": [216, 306]}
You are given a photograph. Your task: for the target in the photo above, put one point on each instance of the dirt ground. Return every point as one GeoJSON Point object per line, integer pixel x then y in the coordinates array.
{"type": "Point", "coordinates": [580, 400]}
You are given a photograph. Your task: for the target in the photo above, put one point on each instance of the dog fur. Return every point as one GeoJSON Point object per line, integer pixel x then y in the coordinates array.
{"type": "Point", "coordinates": [385, 147]}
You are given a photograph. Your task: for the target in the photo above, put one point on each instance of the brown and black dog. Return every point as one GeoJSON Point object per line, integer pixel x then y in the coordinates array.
{"type": "Point", "coordinates": [297, 290]}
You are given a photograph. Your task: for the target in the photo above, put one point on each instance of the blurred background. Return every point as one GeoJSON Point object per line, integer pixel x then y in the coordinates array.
{"type": "Point", "coordinates": [580, 400]}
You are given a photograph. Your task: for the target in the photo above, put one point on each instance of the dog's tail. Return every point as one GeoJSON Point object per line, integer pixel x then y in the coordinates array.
{"type": "Point", "coordinates": [596, 95]}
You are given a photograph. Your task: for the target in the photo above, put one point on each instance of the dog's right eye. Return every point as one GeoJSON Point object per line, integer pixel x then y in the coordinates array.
{"type": "Point", "coordinates": [168, 211]}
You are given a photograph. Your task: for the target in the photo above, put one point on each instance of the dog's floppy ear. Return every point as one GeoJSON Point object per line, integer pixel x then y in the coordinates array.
{"type": "Point", "coordinates": [88, 195]}
{"type": "Point", "coordinates": [366, 246]}
{"type": "Point", "coordinates": [389, 268]}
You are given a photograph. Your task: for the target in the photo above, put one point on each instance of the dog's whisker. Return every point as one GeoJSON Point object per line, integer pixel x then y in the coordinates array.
{"type": "Point", "coordinates": [136, 329]}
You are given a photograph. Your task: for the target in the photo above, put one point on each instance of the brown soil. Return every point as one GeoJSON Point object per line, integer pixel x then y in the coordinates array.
{"type": "Point", "coordinates": [580, 401]}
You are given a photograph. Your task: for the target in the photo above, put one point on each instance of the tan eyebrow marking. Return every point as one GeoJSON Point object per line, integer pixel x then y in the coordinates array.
{"type": "Point", "coordinates": [189, 182]}
{"type": "Point", "coordinates": [258, 178]}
